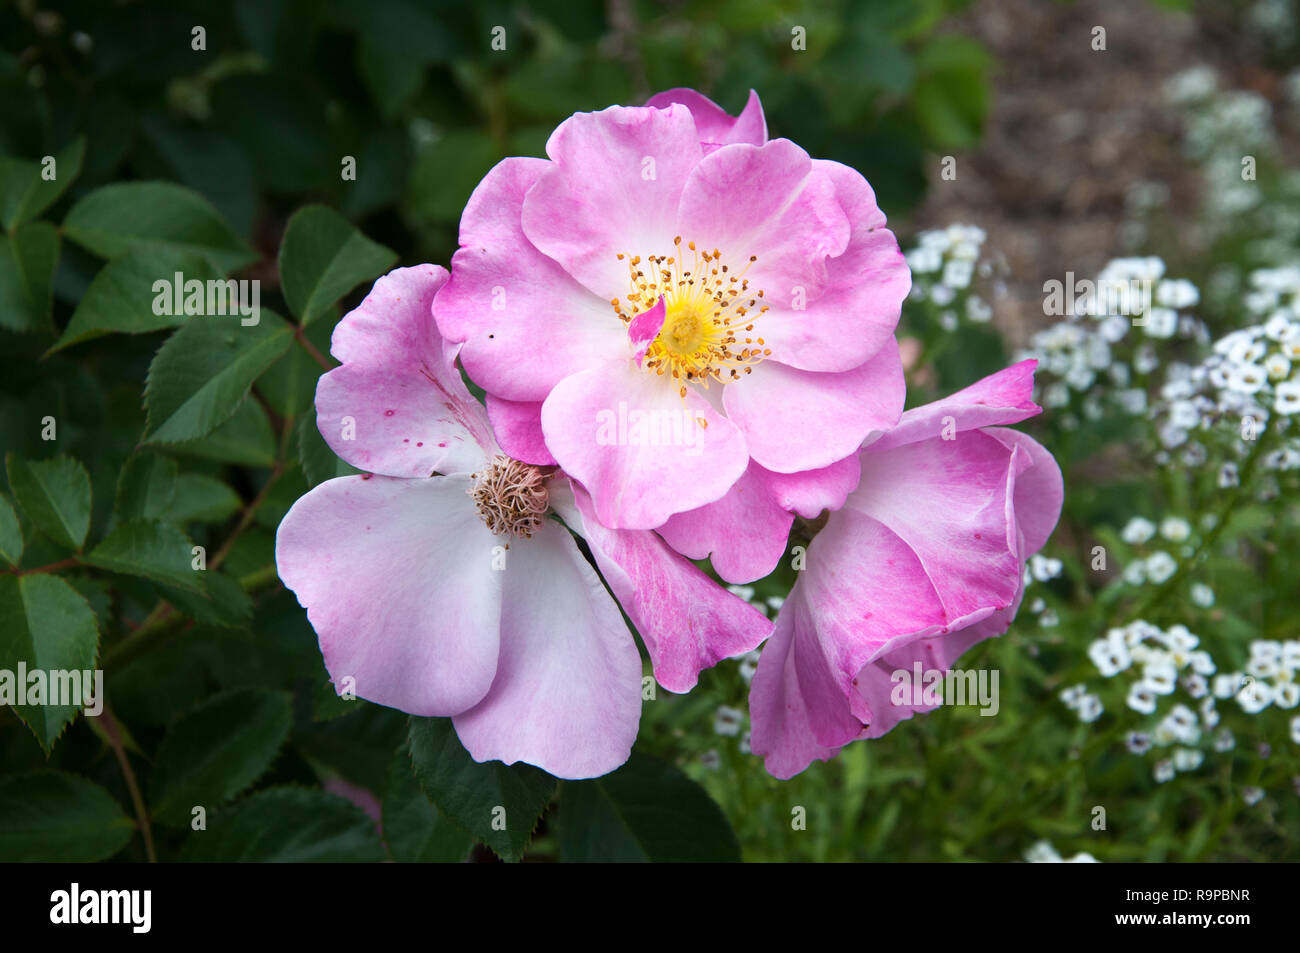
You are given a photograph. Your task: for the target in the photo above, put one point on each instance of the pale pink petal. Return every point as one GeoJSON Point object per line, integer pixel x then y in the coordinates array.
{"type": "Point", "coordinates": [645, 327]}
{"type": "Point", "coordinates": [396, 576]}
{"type": "Point", "coordinates": [567, 692]}
{"type": "Point", "coordinates": [809, 492]}
{"type": "Point", "coordinates": [1002, 398]}
{"type": "Point", "coordinates": [949, 501]}
{"type": "Point", "coordinates": [768, 203]}
{"type": "Point", "coordinates": [1040, 491]}
{"type": "Point", "coordinates": [518, 429]}
{"type": "Point", "coordinates": [687, 621]}
{"type": "Point", "coordinates": [525, 323]}
{"type": "Point", "coordinates": [863, 586]}
{"type": "Point", "coordinates": [889, 700]}
{"type": "Point", "coordinates": [715, 125]}
{"type": "Point", "coordinates": [744, 533]}
{"type": "Point", "coordinates": [781, 730]}
{"type": "Point", "coordinates": [638, 447]}
{"type": "Point", "coordinates": [614, 188]}
{"type": "Point", "coordinates": [398, 405]}
{"type": "Point", "coordinates": [802, 420]}
{"type": "Point", "coordinates": [856, 313]}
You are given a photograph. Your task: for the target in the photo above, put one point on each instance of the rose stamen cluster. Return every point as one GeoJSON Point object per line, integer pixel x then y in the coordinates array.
{"type": "Point", "coordinates": [511, 497]}
{"type": "Point", "coordinates": [707, 310]}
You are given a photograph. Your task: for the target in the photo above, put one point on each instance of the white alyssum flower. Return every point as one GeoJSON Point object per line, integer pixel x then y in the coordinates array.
{"type": "Point", "coordinates": [1142, 698]}
{"type": "Point", "coordinates": [1137, 531]}
{"type": "Point", "coordinates": [1090, 709]}
{"type": "Point", "coordinates": [1175, 529]}
{"type": "Point", "coordinates": [1255, 697]}
{"type": "Point", "coordinates": [728, 721]}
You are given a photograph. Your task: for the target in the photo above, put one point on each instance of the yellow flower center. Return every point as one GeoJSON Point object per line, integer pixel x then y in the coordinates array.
{"type": "Point", "coordinates": [709, 315]}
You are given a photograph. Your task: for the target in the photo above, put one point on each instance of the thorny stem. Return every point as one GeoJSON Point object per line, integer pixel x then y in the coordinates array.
{"type": "Point", "coordinates": [300, 336]}
{"type": "Point", "coordinates": [114, 735]}
{"type": "Point", "coordinates": [164, 620]}
{"type": "Point", "coordinates": [51, 567]}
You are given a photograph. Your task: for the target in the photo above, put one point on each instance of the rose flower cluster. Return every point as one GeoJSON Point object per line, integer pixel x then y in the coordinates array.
{"type": "Point", "coordinates": [684, 331]}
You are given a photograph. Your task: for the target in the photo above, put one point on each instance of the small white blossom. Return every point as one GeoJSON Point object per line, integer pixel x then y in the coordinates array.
{"type": "Point", "coordinates": [1175, 529]}
{"type": "Point", "coordinates": [728, 721]}
{"type": "Point", "coordinates": [1137, 531]}
{"type": "Point", "coordinates": [1090, 708]}
{"type": "Point", "coordinates": [1044, 568]}
{"type": "Point", "coordinates": [1286, 397]}
{"type": "Point", "coordinates": [1160, 566]}
{"type": "Point", "coordinates": [1073, 695]}
{"type": "Point", "coordinates": [1255, 697]}
{"type": "Point", "coordinates": [1142, 698]}
{"type": "Point", "coordinates": [1110, 656]}
{"type": "Point", "coordinates": [1227, 684]}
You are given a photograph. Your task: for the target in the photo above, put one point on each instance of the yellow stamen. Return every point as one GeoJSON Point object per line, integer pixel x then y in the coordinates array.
{"type": "Point", "coordinates": [708, 320]}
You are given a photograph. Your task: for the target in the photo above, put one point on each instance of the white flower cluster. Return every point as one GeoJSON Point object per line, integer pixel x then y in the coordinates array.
{"type": "Point", "coordinates": [1044, 852]}
{"type": "Point", "coordinates": [1111, 342]}
{"type": "Point", "coordinates": [1220, 128]}
{"type": "Point", "coordinates": [1040, 568]}
{"type": "Point", "coordinates": [1159, 565]}
{"type": "Point", "coordinates": [770, 606]}
{"type": "Point", "coordinates": [1171, 664]}
{"type": "Point", "coordinates": [944, 263]}
{"type": "Point", "coordinates": [1250, 375]}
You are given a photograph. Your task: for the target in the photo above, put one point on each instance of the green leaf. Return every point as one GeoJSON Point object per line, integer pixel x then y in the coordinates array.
{"type": "Point", "coordinates": [951, 95]}
{"type": "Point", "coordinates": [446, 172]}
{"type": "Point", "coordinates": [647, 810]}
{"type": "Point", "coordinates": [28, 258]}
{"type": "Point", "coordinates": [48, 626]}
{"type": "Point", "coordinates": [201, 499]}
{"type": "Point", "coordinates": [25, 191]}
{"type": "Point", "coordinates": [149, 548]}
{"type": "Point", "coordinates": [414, 830]}
{"type": "Point", "coordinates": [204, 370]}
{"type": "Point", "coordinates": [11, 533]}
{"type": "Point", "coordinates": [55, 817]}
{"type": "Point", "coordinates": [474, 795]}
{"type": "Point", "coordinates": [114, 219]}
{"type": "Point", "coordinates": [145, 488]}
{"type": "Point", "coordinates": [398, 39]}
{"type": "Point", "coordinates": [121, 299]}
{"type": "Point", "coordinates": [319, 462]}
{"type": "Point", "coordinates": [216, 751]}
{"type": "Point", "coordinates": [245, 438]}
{"type": "Point", "coordinates": [55, 495]}
{"type": "Point", "coordinates": [289, 385]}
{"type": "Point", "coordinates": [323, 257]}
{"type": "Point", "coordinates": [287, 825]}
{"type": "Point", "coordinates": [222, 603]}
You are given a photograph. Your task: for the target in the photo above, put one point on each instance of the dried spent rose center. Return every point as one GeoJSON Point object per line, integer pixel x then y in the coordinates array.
{"type": "Point", "coordinates": [511, 497]}
{"type": "Point", "coordinates": [709, 315]}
